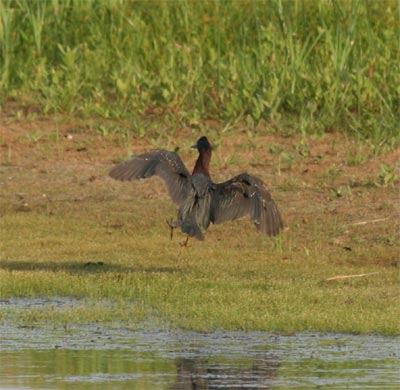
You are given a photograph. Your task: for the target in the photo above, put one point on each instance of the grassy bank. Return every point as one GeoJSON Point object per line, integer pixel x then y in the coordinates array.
{"type": "Point", "coordinates": [69, 230]}
{"type": "Point", "coordinates": [228, 282]}
{"type": "Point", "coordinates": [299, 66]}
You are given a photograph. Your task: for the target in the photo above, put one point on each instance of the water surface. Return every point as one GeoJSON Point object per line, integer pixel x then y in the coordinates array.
{"type": "Point", "coordinates": [98, 357]}
{"type": "Point", "coordinates": [113, 358]}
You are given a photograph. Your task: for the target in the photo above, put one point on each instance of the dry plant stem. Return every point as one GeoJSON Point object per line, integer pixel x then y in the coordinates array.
{"type": "Point", "coordinates": [366, 222]}
{"type": "Point", "coordinates": [338, 277]}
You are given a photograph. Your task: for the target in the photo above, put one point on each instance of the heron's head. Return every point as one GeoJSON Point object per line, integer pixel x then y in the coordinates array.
{"type": "Point", "coordinates": [202, 144]}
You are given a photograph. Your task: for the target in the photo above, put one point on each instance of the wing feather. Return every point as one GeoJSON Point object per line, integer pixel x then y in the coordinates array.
{"type": "Point", "coordinates": [246, 195]}
{"type": "Point", "coordinates": [165, 164]}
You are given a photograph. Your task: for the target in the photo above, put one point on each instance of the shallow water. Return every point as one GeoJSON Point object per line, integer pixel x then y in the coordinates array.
{"type": "Point", "coordinates": [114, 358]}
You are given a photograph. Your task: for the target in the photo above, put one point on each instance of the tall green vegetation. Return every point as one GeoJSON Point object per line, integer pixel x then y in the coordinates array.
{"type": "Point", "coordinates": [308, 66]}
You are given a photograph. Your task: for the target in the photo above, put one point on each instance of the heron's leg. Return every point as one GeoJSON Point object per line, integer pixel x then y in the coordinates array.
{"type": "Point", "coordinates": [185, 243]}
{"type": "Point", "coordinates": [173, 225]}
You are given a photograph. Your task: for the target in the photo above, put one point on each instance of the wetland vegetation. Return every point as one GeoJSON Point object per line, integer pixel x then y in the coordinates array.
{"type": "Point", "coordinates": [301, 66]}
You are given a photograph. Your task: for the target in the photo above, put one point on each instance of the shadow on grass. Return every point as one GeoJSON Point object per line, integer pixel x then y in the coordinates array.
{"type": "Point", "coordinates": [82, 268]}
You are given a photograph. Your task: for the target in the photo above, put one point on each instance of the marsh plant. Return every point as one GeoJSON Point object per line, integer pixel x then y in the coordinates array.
{"type": "Point", "coordinates": [306, 66]}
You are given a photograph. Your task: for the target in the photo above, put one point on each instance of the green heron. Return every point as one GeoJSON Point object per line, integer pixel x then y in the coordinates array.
{"type": "Point", "coordinates": [199, 199]}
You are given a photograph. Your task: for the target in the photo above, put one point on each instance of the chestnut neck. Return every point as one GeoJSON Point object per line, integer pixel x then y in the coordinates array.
{"type": "Point", "coordinates": [203, 162]}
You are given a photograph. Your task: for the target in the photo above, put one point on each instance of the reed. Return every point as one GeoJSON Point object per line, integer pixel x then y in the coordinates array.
{"type": "Point", "coordinates": [299, 66]}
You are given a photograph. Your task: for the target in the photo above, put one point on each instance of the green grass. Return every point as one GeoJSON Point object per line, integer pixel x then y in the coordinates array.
{"type": "Point", "coordinates": [297, 66]}
{"type": "Point", "coordinates": [236, 279]}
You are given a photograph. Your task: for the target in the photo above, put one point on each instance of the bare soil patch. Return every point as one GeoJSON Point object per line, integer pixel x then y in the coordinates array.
{"type": "Point", "coordinates": [312, 178]}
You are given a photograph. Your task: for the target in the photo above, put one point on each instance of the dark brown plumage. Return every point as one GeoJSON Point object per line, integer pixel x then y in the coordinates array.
{"type": "Point", "coordinates": [201, 201]}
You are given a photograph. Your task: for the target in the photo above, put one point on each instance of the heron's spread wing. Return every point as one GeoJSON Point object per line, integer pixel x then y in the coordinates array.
{"type": "Point", "coordinates": [162, 163]}
{"type": "Point", "coordinates": [246, 195]}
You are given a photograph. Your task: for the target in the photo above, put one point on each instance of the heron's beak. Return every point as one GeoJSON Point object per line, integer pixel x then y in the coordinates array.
{"type": "Point", "coordinates": [194, 146]}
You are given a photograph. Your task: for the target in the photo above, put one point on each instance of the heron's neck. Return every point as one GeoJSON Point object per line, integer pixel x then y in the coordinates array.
{"type": "Point", "coordinates": [203, 162]}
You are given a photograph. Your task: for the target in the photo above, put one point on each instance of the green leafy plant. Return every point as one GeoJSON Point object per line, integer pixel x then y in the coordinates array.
{"type": "Point", "coordinates": [387, 176]}
{"type": "Point", "coordinates": [356, 157]}
{"type": "Point", "coordinates": [307, 67]}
